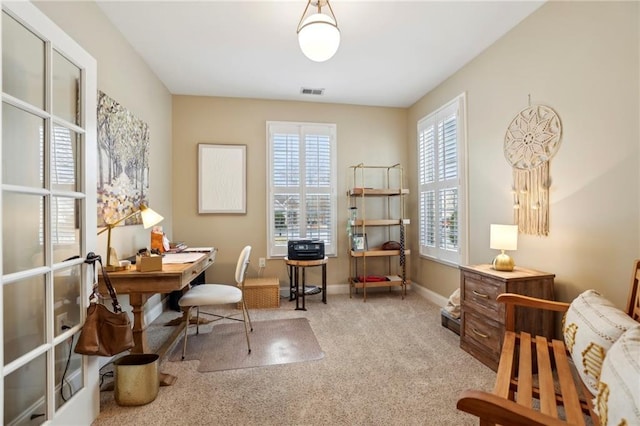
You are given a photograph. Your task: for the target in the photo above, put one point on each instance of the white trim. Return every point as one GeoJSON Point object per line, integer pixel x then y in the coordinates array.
{"type": "Point", "coordinates": [456, 106]}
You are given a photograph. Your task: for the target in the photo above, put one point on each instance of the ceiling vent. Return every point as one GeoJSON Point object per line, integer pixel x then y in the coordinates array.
{"type": "Point", "coordinates": [308, 91]}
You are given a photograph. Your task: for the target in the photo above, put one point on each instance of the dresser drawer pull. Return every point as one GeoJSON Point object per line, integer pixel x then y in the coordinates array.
{"type": "Point", "coordinates": [485, 336]}
{"type": "Point", "coordinates": [484, 296]}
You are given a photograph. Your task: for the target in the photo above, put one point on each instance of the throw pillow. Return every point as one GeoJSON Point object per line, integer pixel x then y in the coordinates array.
{"type": "Point", "coordinates": [591, 325]}
{"type": "Point", "coordinates": [618, 398]}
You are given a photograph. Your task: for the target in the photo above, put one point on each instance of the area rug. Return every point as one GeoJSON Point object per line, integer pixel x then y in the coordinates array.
{"type": "Point", "coordinates": [273, 342]}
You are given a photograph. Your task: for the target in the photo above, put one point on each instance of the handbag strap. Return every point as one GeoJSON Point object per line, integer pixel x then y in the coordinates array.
{"type": "Point", "coordinates": [92, 259]}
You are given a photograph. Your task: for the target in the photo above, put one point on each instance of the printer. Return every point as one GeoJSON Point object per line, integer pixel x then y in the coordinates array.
{"type": "Point", "coordinates": [305, 249]}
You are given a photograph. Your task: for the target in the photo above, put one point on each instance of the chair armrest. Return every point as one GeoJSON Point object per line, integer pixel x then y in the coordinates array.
{"type": "Point", "coordinates": [532, 302]}
{"type": "Point", "coordinates": [512, 300]}
{"type": "Point", "coordinates": [493, 409]}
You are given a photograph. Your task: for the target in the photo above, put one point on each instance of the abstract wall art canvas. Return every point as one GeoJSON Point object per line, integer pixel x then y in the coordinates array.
{"type": "Point", "coordinates": [123, 162]}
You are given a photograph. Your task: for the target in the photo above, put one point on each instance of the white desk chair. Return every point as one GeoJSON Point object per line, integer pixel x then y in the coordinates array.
{"type": "Point", "coordinates": [219, 294]}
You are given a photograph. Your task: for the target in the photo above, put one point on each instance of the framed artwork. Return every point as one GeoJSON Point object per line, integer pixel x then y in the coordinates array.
{"type": "Point", "coordinates": [359, 242]}
{"type": "Point", "coordinates": [222, 178]}
{"type": "Point", "coordinates": [123, 162]}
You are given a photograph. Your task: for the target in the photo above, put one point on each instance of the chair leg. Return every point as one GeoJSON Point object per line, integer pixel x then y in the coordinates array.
{"type": "Point", "coordinates": [186, 330]}
{"type": "Point", "coordinates": [247, 323]}
{"type": "Point", "coordinates": [248, 317]}
{"type": "Point", "coordinates": [197, 319]}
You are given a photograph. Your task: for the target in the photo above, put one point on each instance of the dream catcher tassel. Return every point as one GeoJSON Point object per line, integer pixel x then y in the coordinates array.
{"type": "Point", "coordinates": [532, 139]}
{"type": "Point", "coordinates": [531, 200]}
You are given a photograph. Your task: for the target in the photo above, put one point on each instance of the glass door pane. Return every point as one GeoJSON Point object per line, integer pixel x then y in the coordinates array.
{"type": "Point", "coordinates": [64, 159]}
{"type": "Point", "coordinates": [66, 89]}
{"type": "Point", "coordinates": [22, 232]}
{"type": "Point", "coordinates": [23, 147]}
{"type": "Point", "coordinates": [24, 323]}
{"type": "Point", "coordinates": [23, 69]}
{"type": "Point", "coordinates": [24, 393]}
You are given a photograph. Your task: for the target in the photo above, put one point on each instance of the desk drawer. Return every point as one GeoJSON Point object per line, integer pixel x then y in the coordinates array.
{"type": "Point", "coordinates": [480, 293]}
{"type": "Point", "coordinates": [482, 337]}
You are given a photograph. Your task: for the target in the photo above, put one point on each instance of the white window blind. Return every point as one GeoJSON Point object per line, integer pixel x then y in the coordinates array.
{"type": "Point", "coordinates": [301, 202]}
{"type": "Point", "coordinates": [442, 188]}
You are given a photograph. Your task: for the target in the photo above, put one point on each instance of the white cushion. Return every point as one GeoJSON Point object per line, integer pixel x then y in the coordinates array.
{"type": "Point", "coordinates": [591, 325]}
{"type": "Point", "coordinates": [211, 294]}
{"type": "Point", "coordinates": [618, 398]}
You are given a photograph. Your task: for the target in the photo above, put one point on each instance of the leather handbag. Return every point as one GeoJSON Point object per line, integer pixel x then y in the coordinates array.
{"type": "Point", "coordinates": [104, 332]}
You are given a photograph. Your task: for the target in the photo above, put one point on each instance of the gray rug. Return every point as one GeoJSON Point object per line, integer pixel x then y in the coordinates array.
{"type": "Point", "coordinates": [283, 341]}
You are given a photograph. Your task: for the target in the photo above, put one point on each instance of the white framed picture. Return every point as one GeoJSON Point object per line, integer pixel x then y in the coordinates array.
{"type": "Point", "coordinates": [359, 242]}
{"type": "Point", "coordinates": [222, 177]}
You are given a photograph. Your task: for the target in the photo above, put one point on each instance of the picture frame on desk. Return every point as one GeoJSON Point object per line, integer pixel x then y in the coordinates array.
{"type": "Point", "coordinates": [359, 242]}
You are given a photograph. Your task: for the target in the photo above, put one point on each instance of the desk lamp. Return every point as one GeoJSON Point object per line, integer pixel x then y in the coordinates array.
{"type": "Point", "coordinates": [149, 218]}
{"type": "Point", "coordinates": [503, 237]}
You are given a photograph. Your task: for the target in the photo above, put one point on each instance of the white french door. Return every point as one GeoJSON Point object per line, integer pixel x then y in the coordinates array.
{"type": "Point", "coordinates": [48, 218]}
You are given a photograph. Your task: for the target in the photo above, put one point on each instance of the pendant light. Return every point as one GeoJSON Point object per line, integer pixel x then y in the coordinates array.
{"type": "Point", "coordinates": [318, 33]}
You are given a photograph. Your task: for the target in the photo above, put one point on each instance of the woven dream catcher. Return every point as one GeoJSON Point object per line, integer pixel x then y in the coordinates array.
{"type": "Point", "coordinates": [532, 139]}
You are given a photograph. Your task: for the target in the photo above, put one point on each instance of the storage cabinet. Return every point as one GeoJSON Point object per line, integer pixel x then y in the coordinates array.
{"type": "Point", "coordinates": [483, 318]}
{"type": "Point", "coordinates": [377, 205]}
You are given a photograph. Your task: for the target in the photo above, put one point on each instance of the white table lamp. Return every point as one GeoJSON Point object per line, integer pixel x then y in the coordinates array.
{"type": "Point", "coordinates": [503, 237]}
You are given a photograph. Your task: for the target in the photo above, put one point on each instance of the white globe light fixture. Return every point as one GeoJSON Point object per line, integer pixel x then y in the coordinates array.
{"type": "Point", "coordinates": [318, 34]}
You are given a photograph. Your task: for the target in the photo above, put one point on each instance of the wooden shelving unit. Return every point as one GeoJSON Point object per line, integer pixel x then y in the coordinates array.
{"type": "Point", "coordinates": [378, 196]}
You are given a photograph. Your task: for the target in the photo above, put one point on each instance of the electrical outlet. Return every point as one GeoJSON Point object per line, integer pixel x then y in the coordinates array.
{"type": "Point", "coordinates": [61, 319]}
{"type": "Point", "coordinates": [262, 262]}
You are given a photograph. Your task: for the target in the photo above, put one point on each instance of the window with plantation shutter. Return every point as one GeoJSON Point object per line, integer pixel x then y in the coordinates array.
{"type": "Point", "coordinates": [301, 202]}
{"type": "Point", "coordinates": [442, 184]}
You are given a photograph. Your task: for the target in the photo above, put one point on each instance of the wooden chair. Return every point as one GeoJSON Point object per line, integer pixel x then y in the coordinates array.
{"type": "Point", "coordinates": [523, 356]}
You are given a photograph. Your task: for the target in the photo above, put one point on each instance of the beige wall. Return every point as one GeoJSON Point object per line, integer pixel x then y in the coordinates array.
{"type": "Point", "coordinates": [364, 134]}
{"type": "Point", "coordinates": [580, 58]}
{"type": "Point", "coordinates": [126, 78]}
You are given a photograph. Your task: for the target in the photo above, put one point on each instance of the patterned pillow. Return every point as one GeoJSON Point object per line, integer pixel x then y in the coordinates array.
{"type": "Point", "coordinates": [618, 398]}
{"type": "Point", "coordinates": [591, 325]}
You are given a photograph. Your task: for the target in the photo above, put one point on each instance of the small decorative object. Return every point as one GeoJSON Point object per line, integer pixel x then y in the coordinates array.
{"type": "Point", "coordinates": [504, 237]}
{"type": "Point", "coordinates": [359, 242]}
{"type": "Point", "coordinates": [391, 245]}
{"type": "Point", "coordinates": [531, 140]}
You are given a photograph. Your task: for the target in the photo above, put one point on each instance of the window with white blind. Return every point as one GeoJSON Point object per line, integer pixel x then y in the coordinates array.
{"type": "Point", "coordinates": [442, 183]}
{"type": "Point", "coordinates": [301, 202]}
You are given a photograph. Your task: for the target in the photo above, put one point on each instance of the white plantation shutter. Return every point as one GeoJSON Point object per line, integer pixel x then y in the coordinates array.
{"type": "Point", "coordinates": [302, 179]}
{"type": "Point", "coordinates": [442, 187]}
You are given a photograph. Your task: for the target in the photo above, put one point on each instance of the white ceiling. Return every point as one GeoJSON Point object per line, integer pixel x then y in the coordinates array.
{"type": "Point", "coordinates": [391, 52]}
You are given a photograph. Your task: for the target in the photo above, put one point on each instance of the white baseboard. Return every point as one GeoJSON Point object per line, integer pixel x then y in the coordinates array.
{"type": "Point", "coordinates": [344, 289]}
{"type": "Point", "coordinates": [431, 296]}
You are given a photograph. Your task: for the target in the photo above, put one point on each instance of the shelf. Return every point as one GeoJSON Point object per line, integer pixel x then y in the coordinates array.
{"type": "Point", "coordinates": [377, 202]}
{"type": "Point", "coordinates": [378, 253]}
{"type": "Point", "coordinates": [379, 222]}
{"type": "Point", "coordinates": [377, 191]}
{"type": "Point", "coordinates": [394, 280]}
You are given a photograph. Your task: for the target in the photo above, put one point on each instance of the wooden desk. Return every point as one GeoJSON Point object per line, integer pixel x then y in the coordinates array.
{"type": "Point", "coordinates": [142, 285]}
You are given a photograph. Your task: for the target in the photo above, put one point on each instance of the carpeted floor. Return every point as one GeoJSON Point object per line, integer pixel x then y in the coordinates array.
{"type": "Point", "coordinates": [387, 362]}
{"type": "Point", "coordinates": [273, 342]}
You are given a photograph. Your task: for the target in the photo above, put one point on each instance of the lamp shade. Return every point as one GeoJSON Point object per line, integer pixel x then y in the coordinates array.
{"type": "Point", "coordinates": [319, 37]}
{"type": "Point", "coordinates": [149, 217]}
{"type": "Point", "coordinates": [504, 237]}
